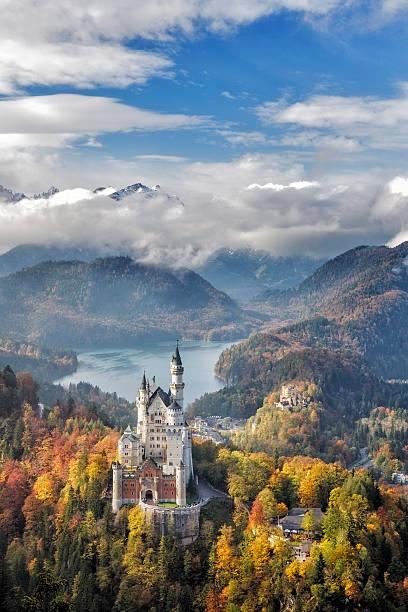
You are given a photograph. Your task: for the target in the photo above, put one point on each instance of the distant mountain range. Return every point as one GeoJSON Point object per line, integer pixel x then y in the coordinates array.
{"type": "Point", "coordinates": [9, 196]}
{"type": "Point", "coordinates": [116, 301]}
{"type": "Point", "coordinates": [244, 273]}
{"type": "Point", "coordinates": [28, 255]}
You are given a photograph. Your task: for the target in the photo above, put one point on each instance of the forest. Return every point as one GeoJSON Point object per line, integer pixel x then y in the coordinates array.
{"type": "Point", "coordinates": [62, 549]}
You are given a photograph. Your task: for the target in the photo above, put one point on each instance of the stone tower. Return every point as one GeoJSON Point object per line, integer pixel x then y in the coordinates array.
{"type": "Point", "coordinates": [117, 486]}
{"type": "Point", "coordinates": [181, 485]}
{"type": "Point", "coordinates": [177, 384]}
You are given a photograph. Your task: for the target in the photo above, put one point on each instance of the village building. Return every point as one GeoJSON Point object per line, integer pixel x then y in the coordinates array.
{"type": "Point", "coordinates": [292, 522]}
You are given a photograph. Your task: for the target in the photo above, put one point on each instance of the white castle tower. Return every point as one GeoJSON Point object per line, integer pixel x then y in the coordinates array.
{"type": "Point", "coordinates": [177, 371]}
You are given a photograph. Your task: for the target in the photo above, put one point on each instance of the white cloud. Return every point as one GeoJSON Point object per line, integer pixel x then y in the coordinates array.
{"type": "Point", "coordinates": [91, 43]}
{"type": "Point", "coordinates": [354, 122]}
{"type": "Point", "coordinates": [60, 119]}
{"type": "Point", "coordinates": [399, 185]}
{"type": "Point", "coordinates": [86, 44]}
{"type": "Point", "coordinates": [247, 139]}
{"type": "Point", "coordinates": [391, 8]}
{"type": "Point", "coordinates": [175, 159]}
{"type": "Point", "coordinates": [76, 65]}
{"type": "Point", "coordinates": [228, 95]}
{"type": "Point", "coordinates": [315, 139]}
{"type": "Point", "coordinates": [129, 19]}
{"type": "Point", "coordinates": [276, 187]}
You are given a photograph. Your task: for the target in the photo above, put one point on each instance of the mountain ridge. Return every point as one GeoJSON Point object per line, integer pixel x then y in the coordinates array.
{"type": "Point", "coordinates": [116, 301]}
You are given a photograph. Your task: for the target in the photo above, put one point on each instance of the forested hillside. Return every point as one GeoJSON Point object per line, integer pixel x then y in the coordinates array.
{"type": "Point", "coordinates": [44, 363]}
{"type": "Point", "coordinates": [62, 549]}
{"type": "Point", "coordinates": [115, 301]}
{"type": "Point", "coordinates": [357, 304]}
{"type": "Point", "coordinates": [360, 299]}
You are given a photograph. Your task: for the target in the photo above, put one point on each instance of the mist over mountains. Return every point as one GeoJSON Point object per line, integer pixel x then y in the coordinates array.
{"type": "Point", "coordinates": [185, 224]}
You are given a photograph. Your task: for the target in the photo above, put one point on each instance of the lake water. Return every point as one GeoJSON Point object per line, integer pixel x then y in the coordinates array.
{"type": "Point", "coordinates": [121, 370]}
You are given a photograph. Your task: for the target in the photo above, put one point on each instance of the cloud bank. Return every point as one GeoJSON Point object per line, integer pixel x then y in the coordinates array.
{"type": "Point", "coordinates": [223, 207]}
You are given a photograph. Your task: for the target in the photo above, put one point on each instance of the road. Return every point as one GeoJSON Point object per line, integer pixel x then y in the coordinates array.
{"type": "Point", "coordinates": [363, 462]}
{"type": "Point", "coordinates": [207, 492]}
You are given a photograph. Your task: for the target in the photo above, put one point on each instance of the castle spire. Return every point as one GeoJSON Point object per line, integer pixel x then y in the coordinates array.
{"type": "Point", "coordinates": [143, 385]}
{"type": "Point", "coordinates": [177, 384]}
{"type": "Point", "coordinates": [176, 357]}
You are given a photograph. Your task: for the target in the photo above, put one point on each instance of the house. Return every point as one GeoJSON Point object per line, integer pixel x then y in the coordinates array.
{"type": "Point", "coordinates": [302, 551]}
{"type": "Point", "coordinates": [399, 478]}
{"type": "Point", "coordinates": [292, 522]}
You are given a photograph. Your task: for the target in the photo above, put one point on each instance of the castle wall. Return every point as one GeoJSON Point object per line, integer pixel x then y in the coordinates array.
{"type": "Point", "coordinates": [136, 483]}
{"type": "Point", "coordinates": [184, 522]}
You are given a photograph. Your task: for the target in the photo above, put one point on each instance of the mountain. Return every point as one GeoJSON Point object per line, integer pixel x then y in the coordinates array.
{"type": "Point", "coordinates": [244, 273]}
{"type": "Point", "coordinates": [28, 255]}
{"type": "Point", "coordinates": [131, 189]}
{"type": "Point", "coordinates": [358, 300]}
{"type": "Point", "coordinates": [355, 304]}
{"type": "Point", "coordinates": [9, 196]}
{"type": "Point", "coordinates": [115, 301]}
{"type": "Point", "coordinates": [43, 363]}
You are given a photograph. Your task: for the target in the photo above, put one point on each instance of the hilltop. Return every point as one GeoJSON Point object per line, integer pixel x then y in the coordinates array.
{"type": "Point", "coordinates": [115, 301]}
{"type": "Point", "coordinates": [29, 255]}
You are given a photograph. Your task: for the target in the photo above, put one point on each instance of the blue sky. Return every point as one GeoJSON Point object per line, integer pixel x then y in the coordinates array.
{"type": "Point", "coordinates": [294, 112]}
{"type": "Point", "coordinates": [227, 74]}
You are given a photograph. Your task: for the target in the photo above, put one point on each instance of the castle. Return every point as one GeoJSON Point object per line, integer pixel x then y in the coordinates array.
{"type": "Point", "coordinates": [155, 460]}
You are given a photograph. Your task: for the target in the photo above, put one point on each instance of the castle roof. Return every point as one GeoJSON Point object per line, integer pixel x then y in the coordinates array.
{"type": "Point", "coordinates": [176, 357]}
{"type": "Point", "coordinates": [165, 397]}
{"type": "Point", "coordinates": [129, 434]}
{"type": "Point", "coordinates": [149, 461]}
{"type": "Point", "coordinates": [174, 406]}
{"type": "Point", "coordinates": [143, 384]}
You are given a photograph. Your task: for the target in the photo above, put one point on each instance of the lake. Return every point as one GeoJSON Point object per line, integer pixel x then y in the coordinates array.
{"type": "Point", "coordinates": [121, 370]}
